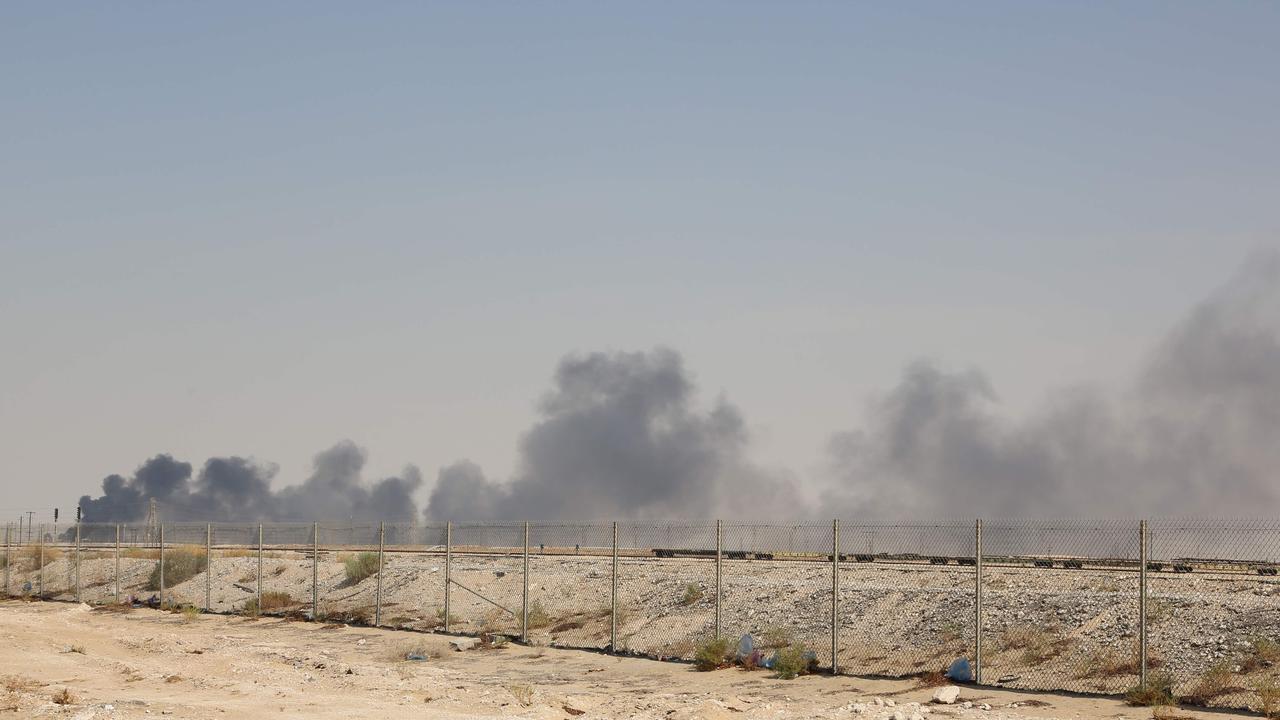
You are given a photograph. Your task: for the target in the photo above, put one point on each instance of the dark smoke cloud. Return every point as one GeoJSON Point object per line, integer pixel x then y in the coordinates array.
{"type": "Point", "coordinates": [1199, 433]}
{"type": "Point", "coordinates": [335, 492]}
{"type": "Point", "coordinates": [239, 489]}
{"type": "Point", "coordinates": [619, 437]}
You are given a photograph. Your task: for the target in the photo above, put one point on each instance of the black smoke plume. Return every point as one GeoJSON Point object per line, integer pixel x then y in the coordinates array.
{"type": "Point", "coordinates": [235, 489]}
{"type": "Point", "coordinates": [1198, 433]}
{"type": "Point", "coordinates": [619, 437]}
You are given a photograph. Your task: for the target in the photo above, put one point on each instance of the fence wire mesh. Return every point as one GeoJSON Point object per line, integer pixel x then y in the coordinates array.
{"type": "Point", "coordinates": [1057, 604]}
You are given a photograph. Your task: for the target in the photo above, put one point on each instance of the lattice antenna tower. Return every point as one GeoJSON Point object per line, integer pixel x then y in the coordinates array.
{"type": "Point", "coordinates": [152, 523]}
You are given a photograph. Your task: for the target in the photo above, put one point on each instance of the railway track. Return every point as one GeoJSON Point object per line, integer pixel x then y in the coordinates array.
{"type": "Point", "coordinates": [1177, 566]}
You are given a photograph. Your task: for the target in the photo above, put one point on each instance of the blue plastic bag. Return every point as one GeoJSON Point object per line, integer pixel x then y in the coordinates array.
{"type": "Point", "coordinates": [960, 671]}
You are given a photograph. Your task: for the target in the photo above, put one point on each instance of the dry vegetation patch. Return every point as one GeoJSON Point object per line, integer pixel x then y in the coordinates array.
{"type": "Point", "coordinates": [180, 565]}
{"type": "Point", "coordinates": [1038, 644]}
{"type": "Point", "coordinates": [360, 567]}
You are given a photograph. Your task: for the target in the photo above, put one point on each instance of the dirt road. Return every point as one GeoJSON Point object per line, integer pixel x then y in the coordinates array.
{"type": "Point", "coordinates": [146, 664]}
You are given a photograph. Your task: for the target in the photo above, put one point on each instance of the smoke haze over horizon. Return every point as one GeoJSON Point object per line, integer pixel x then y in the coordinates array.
{"type": "Point", "coordinates": [623, 435]}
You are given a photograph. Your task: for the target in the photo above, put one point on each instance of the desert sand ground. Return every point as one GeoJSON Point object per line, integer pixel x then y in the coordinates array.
{"type": "Point", "coordinates": [147, 663]}
{"type": "Point", "coordinates": [1044, 629]}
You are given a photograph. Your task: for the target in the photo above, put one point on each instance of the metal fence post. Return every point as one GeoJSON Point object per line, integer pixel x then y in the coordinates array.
{"type": "Point", "coordinates": [7, 560]}
{"type": "Point", "coordinates": [116, 574]}
{"type": "Point", "coordinates": [258, 586]}
{"type": "Point", "coordinates": [78, 595]}
{"type": "Point", "coordinates": [315, 571]}
{"type": "Point", "coordinates": [613, 595]}
{"type": "Point", "coordinates": [977, 601]}
{"type": "Point", "coordinates": [1142, 603]}
{"type": "Point", "coordinates": [835, 597]}
{"type": "Point", "coordinates": [377, 605]}
{"type": "Point", "coordinates": [718, 563]}
{"type": "Point", "coordinates": [448, 567]}
{"type": "Point", "coordinates": [40, 541]}
{"type": "Point", "coordinates": [208, 567]}
{"type": "Point", "coordinates": [161, 566]}
{"type": "Point", "coordinates": [524, 597]}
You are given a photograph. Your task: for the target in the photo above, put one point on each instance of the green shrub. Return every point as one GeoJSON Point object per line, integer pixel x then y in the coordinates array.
{"type": "Point", "coordinates": [538, 616]}
{"type": "Point", "coordinates": [1158, 690]}
{"type": "Point", "coordinates": [360, 567]}
{"type": "Point", "coordinates": [179, 567]}
{"type": "Point", "coordinates": [712, 655]}
{"type": "Point", "coordinates": [791, 662]}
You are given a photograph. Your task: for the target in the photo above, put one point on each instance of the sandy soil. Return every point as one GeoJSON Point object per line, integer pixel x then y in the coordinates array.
{"type": "Point", "coordinates": [144, 664]}
{"type": "Point", "coordinates": [1045, 630]}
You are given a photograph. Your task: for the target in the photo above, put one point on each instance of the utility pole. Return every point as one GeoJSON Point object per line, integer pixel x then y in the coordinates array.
{"type": "Point", "coordinates": [30, 513]}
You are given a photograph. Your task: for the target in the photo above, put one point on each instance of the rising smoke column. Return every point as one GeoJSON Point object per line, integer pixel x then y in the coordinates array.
{"type": "Point", "coordinates": [125, 499]}
{"type": "Point", "coordinates": [619, 437]}
{"type": "Point", "coordinates": [235, 489]}
{"type": "Point", "coordinates": [1198, 433]}
{"type": "Point", "coordinates": [334, 491]}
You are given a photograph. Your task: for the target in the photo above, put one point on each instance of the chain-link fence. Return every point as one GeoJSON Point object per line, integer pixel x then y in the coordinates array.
{"type": "Point", "coordinates": [1085, 606]}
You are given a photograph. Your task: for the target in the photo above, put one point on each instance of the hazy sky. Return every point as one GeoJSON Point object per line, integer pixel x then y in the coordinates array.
{"type": "Point", "coordinates": [261, 228]}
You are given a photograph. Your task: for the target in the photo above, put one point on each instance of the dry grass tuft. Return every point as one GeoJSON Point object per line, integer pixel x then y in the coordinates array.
{"type": "Point", "coordinates": [1106, 662]}
{"type": "Point", "coordinates": [134, 553]}
{"type": "Point", "coordinates": [33, 556]}
{"type": "Point", "coordinates": [1158, 690]}
{"type": "Point", "coordinates": [934, 678]}
{"type": "Point", "coordinates": [1263, 653]}
{"type": "Point", "coordinates": [64, 697]}
{"type": "Point", "coordinates": [522, 693]}
{"type": "Point", "coordinates": [1269, 697]}
{"type": "Point", "coordinates": [1215, 683]}
{"type": "Point", "coordinates": [1168, 712]}
{"type": "Point", "coordinates": [412, 652]}
{"type": "Point", "coordinates": [356, 616]}
{"type": "Point", "coordinates": [1158, 611]}
{"type": "Point", "coordinates": [492, 620]}
{"type": "Point", "coordinates": [538, 616]}
{"type": "Point", "coordinates": [121, 608]}
{"type": "Point", "coordinates": [18, 684]}
{"type": "Point", "coordinates": [275, 600]}
{"type": "Point", "coordinates": [1037, 644]}
{"type": "Point", "coordinates": [678, 649]}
